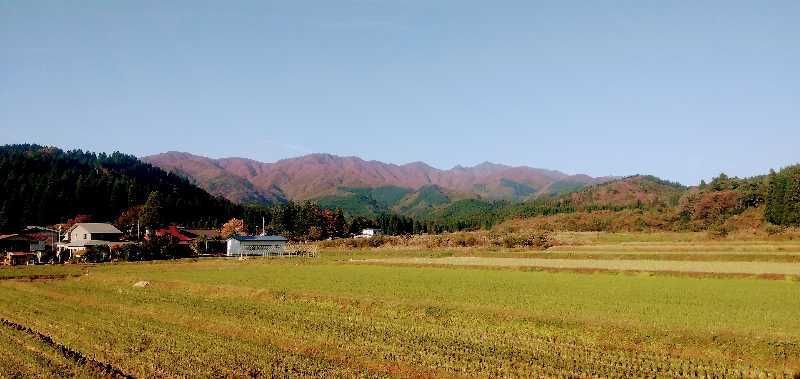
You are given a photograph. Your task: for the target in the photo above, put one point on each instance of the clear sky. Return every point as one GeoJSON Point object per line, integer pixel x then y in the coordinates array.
{"type": "Point", "coordinates": [683, 90]}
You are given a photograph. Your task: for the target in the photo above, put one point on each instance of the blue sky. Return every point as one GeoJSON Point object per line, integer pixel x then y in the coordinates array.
{"type": "Point", "coordinates": [682, 90]}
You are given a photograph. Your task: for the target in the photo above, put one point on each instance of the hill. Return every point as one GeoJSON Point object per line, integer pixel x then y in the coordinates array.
{"type": "Point", "coordinates": [45, 185]}
{"type": "Point", "coordinates": [427, 199]}
{"type": "Point", "coordinates": [371, 202]}
{"type": "Point", "coordinates": [633, 190]}
{"type": "Point", "coordinates": [322, 176]}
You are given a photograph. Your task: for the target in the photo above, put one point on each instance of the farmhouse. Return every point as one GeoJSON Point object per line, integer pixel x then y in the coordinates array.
{"type": "Point", "coordinates": [93, 231]}
{"type": "Point", "coordinates": [177, 234]}
{"type": "Point", "coordinates": [256, 245]}
{"type": "Point", "coordinates": [84, 234]}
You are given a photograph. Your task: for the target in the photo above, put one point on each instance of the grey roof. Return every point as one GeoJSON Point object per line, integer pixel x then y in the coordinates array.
{"type": "Point", "coordinates": [30, 227]}
{"type": "Point", "coordinates": [94, 243]}
{"type": "Point", "coordinates": [259, 238]}
{"type": "Point", "coordinates": [97, 227]}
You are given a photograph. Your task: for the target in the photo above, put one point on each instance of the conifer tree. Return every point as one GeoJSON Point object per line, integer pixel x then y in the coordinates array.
{"type": "Point", "coordinates": [152, 212]}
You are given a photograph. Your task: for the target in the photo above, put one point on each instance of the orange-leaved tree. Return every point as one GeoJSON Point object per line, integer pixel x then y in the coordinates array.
{"type": "Point", "coordinates": [234, 227]}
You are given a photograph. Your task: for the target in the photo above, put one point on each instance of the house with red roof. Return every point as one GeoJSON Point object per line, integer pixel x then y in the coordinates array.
{"type": "Point", "coordinates": [177, 234]}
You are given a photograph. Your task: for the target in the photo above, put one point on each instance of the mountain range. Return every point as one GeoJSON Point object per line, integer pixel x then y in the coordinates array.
{"type": "Point", "coordinates": [414, 188]}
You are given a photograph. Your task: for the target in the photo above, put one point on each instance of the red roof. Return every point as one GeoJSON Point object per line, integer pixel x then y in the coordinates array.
{"type": "Point", "coordinates": [12, 237]}
{"type": "Point", "coordinates": [177, 233]}
{"type": "Point", "coordinates": [38, 237]}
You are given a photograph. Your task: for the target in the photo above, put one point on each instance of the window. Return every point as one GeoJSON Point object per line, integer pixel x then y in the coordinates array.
{"type": "Point", "coordinates": [84, 236]}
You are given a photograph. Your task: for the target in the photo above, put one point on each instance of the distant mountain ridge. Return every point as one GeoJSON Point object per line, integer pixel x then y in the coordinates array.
{"type": "Point", "coordinates": [316, 176]}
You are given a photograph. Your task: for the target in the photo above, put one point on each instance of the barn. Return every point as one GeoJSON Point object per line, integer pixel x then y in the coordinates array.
{"type": "Point", "coordinates": [256, 245]}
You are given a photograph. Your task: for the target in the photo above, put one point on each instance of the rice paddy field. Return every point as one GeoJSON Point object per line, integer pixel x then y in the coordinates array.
{"type": "Point", "coordinates": [678, 308]}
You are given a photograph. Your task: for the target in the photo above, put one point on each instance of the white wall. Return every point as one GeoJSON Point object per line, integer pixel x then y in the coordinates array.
{"type": "Point", "coordinates": [233, 247]}
{"type": "Point", "coordinates": [78, 233]}
{"type": "Point", "coordinates": [260, 248]}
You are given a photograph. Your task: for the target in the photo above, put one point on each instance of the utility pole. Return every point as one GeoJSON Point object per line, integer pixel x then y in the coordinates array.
{"type": "Point", "coordinates": [56, 244]}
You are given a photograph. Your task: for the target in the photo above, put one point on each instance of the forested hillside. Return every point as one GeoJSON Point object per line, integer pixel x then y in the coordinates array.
{"type": "Point", "coordinates": [45, 185]}
{"type": "Point", "coordinates": [783, 197]}
{"type": "Point", "coordinates": [370, 202]}
{"type": "Point", "coordinates": [641, 203]}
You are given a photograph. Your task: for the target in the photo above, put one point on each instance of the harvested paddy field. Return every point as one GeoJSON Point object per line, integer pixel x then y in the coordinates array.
{"type": "Point", "coordinates": [333, 316]}
{"type": "Point", "coordinates": [717, 267]}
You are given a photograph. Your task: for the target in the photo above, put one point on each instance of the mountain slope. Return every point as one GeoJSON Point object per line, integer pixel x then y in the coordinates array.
{"type": "Point", "coordinates": [428, 199]}
{"type": "Point", "coordinates": [323, 175]}
{"type": "Point", "coordinates": [210, 175]}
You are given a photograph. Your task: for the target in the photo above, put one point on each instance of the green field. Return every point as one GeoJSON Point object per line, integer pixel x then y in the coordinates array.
{"type": "Point", "coordinates": [338, 316]}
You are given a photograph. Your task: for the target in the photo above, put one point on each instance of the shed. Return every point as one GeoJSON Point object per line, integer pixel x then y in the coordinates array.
{"type": "Point", "coordinates": [21, 258]}
{"type": "Point", "coordinates": [256, 245]}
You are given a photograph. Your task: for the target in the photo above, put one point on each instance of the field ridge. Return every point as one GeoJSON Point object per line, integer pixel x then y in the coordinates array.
{"type": "Point", "coordinates": [102, 368]}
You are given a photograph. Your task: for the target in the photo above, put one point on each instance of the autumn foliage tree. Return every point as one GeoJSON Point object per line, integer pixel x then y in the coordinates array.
{"type": "Point", "coordinates": [127, 220]}
{"type": "Point", "coordinates": [234, 227]}
{"type": "Point", "coordinates": [76, 220]}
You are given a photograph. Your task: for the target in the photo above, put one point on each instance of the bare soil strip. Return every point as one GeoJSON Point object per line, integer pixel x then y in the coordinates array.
{"type": "Point", "coordinates": [41, 277]}
{"type": "Point", "coordinates": [716, 267]}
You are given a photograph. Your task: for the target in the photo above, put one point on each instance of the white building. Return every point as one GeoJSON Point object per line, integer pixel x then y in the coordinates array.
{"type": "Point", "coordinates": [84, 234]}
{"type": "Point", "coordinates": [93, 231]}
{"type": "Point", "coordinates": [256, 245]}
{"type": "Point", "coordinates": [370, 232]}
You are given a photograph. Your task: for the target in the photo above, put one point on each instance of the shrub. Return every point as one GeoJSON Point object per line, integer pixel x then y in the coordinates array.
{"type": "Point", "coordinates": [720, 231]}
{"type": "Point", "coordinates": [774, 229]}
{"type": "Point", "coordinates": [96, 254]}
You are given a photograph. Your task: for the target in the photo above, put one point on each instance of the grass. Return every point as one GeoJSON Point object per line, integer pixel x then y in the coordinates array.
{"type": "Point", "coordinates": [712, 267]}
{"type": "Point", "coordinates": [335, 317]}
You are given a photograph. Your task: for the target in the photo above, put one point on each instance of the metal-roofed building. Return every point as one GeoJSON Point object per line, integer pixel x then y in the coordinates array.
{"type": "Point", "coordinates": [256, 245]}
{"type": "Point", "coordinates": [18, 249]}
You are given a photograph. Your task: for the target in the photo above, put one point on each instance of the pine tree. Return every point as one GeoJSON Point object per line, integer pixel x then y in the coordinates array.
{"type": "Point", "coordinates": [339, 223]}
{"type": "Point", "coordinates": [4, 221]}
{"type": "Point", "coordinates": [152, 216]}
